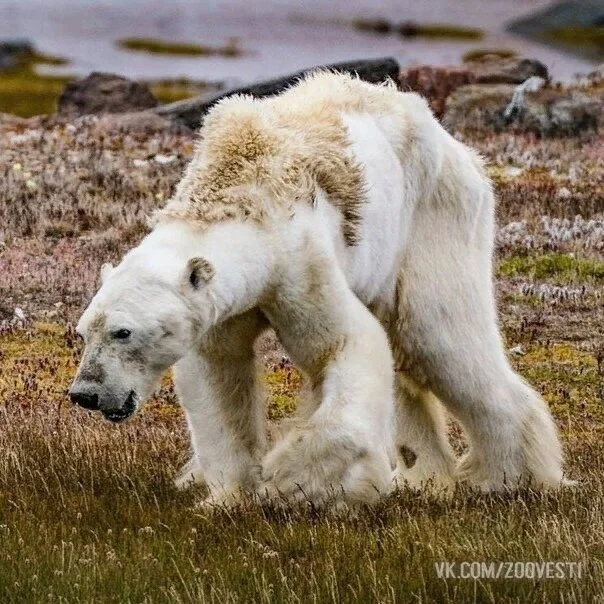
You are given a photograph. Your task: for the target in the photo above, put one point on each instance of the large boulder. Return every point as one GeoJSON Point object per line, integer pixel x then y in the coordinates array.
{"type": "Point", "coordinates": [492, 69]}
{"type": "Point", "coordinates": [547, 112]}
{"type": "Point", "coordinates": [437, 83]}
{"type": "Point", "coordinates": [434, 83]}
{"type": "Point", "coordinates": [105, 93]}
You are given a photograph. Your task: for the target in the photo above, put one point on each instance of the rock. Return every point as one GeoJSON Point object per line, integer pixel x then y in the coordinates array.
{"type": "Point", "coordinates": [13, 51]}
{"type": "Point", "coordinates": [140, 123]}
{"type": "Point", "coordinates": [547, 112]}
{"type": "Point", "coordinates": [435, 83]}
{"type": "Point", "coordinates": [492, 69]}
{"type": "Point", "coordinates": [105, 93]}
{"type": "Point", "coordinates": [517, 104]}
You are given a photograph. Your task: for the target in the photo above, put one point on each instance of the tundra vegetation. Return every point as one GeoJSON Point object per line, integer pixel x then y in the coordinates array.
{"type": "Point", "coordinates": [88, 511]}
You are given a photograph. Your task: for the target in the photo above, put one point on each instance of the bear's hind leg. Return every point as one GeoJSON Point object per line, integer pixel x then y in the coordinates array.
{"type": "Point", "coordinates": [425, 455]}
{"type": "Point", "coordinates": [455, 340]}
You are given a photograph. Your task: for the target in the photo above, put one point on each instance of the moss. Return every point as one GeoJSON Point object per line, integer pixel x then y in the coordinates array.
{"type": "Point", "coordinates": [284, 384]}
{"type": "Point", "coordinates": [168, 91]}
{"type": "Point", "coordinates": [25, 92]}
{"type": "Point", "coordinates": [37, 363]}
{"type": "Point", "coordinates": [563, 268]}
{"type": "Point", "coordinates": [480, 53]}
{"type": "Point", "coordinates": [445, 32]}
{"type": "Point", "coordinates": [163, 47]}
{"type": "Point", "coordinates": [409, 29]}
{"type": "Point", "coordinates": [567, 376]}
{"type": "Point", "coordinates": [377, 26]}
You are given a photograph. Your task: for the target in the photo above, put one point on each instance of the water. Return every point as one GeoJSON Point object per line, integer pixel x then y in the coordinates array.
{"type": "Point", "coordinates": [279, 36]}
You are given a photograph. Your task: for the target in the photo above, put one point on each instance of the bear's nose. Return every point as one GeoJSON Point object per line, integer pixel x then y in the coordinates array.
{"type": "Point", "coordinates": [83, 399]}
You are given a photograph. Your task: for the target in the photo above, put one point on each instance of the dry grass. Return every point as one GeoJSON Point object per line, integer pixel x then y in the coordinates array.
{"type": "Point", "coordinates": [88, 512]}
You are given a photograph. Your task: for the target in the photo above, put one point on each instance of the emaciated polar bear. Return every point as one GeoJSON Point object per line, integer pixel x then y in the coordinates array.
{"type": "Point", "coordinates": [303, 211]}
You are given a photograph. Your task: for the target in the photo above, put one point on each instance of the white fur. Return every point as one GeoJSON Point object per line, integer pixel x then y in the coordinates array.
{"type": "Point", "coordinates": [422, 264]}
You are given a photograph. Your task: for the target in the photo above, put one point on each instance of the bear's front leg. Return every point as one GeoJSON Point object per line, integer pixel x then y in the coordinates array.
{"type": "Point", "coordinates": [225, 409]}
{"type": "Point", "coordinates": [344, 451]}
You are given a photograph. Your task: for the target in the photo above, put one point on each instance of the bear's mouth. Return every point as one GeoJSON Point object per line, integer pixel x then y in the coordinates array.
{"type": "Point", "coordinates": [119, 415]}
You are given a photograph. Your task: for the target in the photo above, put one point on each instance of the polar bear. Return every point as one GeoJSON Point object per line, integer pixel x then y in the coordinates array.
{"type": "Point", "coordinates": [344, 216]}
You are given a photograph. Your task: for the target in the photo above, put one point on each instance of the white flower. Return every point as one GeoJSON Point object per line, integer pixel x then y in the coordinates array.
{"type": "Point", "coordinates": [164, 159]}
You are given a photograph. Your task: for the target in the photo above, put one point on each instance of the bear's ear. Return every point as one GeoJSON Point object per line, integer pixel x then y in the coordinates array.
{"type": "Point", "coordinates": [106, 270]}
{"type": "Point", "coordinates": [199, 271]}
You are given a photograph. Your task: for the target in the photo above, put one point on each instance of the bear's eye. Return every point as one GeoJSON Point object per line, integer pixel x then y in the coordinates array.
{"type": "Point", "coordinates": [121, 334]}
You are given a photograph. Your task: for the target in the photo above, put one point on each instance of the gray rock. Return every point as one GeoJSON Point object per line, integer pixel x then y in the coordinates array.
{"type": "Point", "coordinates": [546, 112]}
{"type": "Point", "coordinates": [105, 93]}
{"type": "Point", "coordinates": [496, 70]}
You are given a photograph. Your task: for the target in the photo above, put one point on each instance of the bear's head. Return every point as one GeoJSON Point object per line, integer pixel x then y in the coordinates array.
{"type": "Point", "coordinates": [144, 318]}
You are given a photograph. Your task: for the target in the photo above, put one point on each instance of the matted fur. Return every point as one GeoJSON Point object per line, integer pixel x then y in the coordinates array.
{"type": "Point", "coordinates": [256, 157]}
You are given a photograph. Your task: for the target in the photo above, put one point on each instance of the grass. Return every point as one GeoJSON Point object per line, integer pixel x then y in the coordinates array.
{"type": "Point", "coordinates": [88, 512]}
{"type": "Point", "coordinates": [562, 268]}
{"type": "Point", "coordinates": [181, 49]}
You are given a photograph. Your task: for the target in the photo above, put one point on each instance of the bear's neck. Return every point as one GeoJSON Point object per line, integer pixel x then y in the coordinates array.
{"type": "Point", "coordinates": [241, 254]}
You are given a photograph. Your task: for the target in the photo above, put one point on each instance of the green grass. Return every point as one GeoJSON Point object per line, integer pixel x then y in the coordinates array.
{"type": "Point", "coordinates": [164, 47]}
{"type": "Point", "coordinates": [562, 268]}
